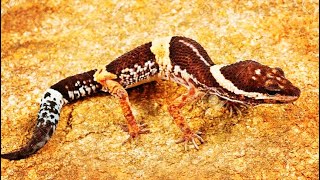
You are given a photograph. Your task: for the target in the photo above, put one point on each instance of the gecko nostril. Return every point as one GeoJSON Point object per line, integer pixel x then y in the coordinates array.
{"type": "Point", "coordinates": [296, 91]}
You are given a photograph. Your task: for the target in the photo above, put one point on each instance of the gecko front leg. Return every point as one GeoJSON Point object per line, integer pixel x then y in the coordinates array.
{"type": "Point", "coordinates": [107, 80]}
{"type": "Point", "coordinates": [174, 109]}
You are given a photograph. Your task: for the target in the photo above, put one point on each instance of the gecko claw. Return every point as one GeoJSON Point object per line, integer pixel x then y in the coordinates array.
{"type": "Point", "coordinates": [142, 129]}
{"type": "Point", "coordinates": [191, 137]}
{"type": "Point", "coordinates": [235, 108]}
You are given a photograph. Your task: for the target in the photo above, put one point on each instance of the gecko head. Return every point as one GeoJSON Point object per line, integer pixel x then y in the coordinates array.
{"type": "Point", "coordinates": [250, 82]}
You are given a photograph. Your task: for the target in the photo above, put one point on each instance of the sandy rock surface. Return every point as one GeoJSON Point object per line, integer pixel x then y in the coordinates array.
{"type": "Point", "coordinates": [42, 43]}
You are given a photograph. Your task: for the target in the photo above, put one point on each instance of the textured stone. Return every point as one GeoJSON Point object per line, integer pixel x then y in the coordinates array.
{"type": "Point", "coordinates": [42, 43]}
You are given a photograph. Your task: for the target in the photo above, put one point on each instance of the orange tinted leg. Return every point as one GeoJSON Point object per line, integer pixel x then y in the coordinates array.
{"type": "Point", "coordinates": [115, 89]}
{"type": "Point", "coordinates": [175, 108]}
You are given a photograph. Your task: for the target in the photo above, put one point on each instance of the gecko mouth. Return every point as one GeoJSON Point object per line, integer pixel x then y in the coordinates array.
{"type": "Point", "coordinates": [293, 96]}
{"type": "Point", "coordinates": [288, 96]}
{"type": "Point", "coordinates": [281, 99]}
{"type": "Point", "coordinates": [286, 99]}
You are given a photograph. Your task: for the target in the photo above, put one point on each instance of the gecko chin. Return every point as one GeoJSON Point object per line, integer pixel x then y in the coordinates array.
{"type": "Point", "coordinates": [280, 99]}
{"type": "Point", "coordinates": [282, 95]}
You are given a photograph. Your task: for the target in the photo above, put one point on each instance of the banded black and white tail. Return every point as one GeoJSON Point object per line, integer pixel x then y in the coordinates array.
{"type": "Point", "coordinates": [66, 90]}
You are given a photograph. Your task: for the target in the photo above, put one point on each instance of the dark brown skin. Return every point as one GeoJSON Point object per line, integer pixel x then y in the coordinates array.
{"type": "Point", "coordinates": [190, 66]}
{"type": "Point", "coordinates": [268, 81]}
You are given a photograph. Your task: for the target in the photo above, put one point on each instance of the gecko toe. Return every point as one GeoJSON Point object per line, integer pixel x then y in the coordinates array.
{"type": "Point", "coordinates": [235, 108]}
{"type": "Point", "coordinates": [191, 138]}
{"type": "Point", "coordinates": [142, 129]}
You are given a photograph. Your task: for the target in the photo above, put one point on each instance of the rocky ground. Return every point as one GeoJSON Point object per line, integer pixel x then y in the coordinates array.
{"type": "Point", "coordinates": [42, 43]}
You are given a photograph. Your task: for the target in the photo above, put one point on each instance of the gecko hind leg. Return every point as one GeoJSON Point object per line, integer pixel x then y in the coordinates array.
{"type": "Point", "coordinates": [175, 108]}
{"type": "Point", "coordinates": [106, 79]}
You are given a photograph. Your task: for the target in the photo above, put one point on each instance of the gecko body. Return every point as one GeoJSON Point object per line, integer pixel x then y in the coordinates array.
{"type": "Point", "coordinates": [178, 59]}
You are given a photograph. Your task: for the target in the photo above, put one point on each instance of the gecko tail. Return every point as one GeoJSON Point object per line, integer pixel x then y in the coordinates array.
{"type": "Point", "coordinates": [67, 90]}
{"type": "Point", "coordinates": [48, 118]}
{"type": "Point", "coordinates": [39, 138]}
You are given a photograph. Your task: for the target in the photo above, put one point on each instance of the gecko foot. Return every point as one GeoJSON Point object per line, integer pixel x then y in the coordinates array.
{"type": "Point", "coordinates": [235, 108]}
{"type": "Point", "coordinates": [142, 129]}
{"type": "Point", "coordinates": [190, 137]}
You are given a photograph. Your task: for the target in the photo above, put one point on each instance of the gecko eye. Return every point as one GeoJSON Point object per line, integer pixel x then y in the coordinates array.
{"type": "Point", "coordinates": [272, 87]}
{"type": "Point", "coordinates": [272, 93]}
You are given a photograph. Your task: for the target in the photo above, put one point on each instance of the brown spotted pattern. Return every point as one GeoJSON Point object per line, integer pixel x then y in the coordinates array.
{"type": "Point", "coordinates": [136, 65]}
{"type": "Point", "coordinates": [189, 64]}
{"type": "Point", "coordinates": [77, 86]}
{"type": "Point", "coordinates": [251, 76]}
